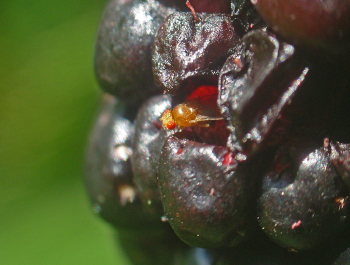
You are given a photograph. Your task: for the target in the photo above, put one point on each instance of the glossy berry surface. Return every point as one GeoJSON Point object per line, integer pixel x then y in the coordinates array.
{"type": "Point", "coordinates": [205, 192]}
{"type": "Point", "coordinates": [108, 177]}
{"type": "Point", "coordinates": [184, 48]}
{"type": "Point", "coordinates": [245, 17]}
{"type": "Point", "coordinates": [123, 48]}
{"type": "Point", "coordinates": [147, 144]}
{"type": "Point", "coordinates": [306, 202]}
{"type": "Point", "coordinates": [340, 157]}
{"type": "Point", "coordinates": [245, 158]}
{"type": "Point", "coordinates": [315, 23]}
{"type": "Point", "coordinates": [246, 80]}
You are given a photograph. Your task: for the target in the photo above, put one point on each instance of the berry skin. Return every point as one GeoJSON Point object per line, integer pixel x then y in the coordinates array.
{"type": "Point", "coordinates": [236, 174]}
{"type": "Point", "coordinates": [209, 6]}
{"type": "Point", "coordinates": [305, 203]}
{"type": "Point", "coordinates": [185, 49]}
{"type": "Point", "coordinates": [320, 24]}
{"type": "Point", "coordinates": [207, 195]}
{"type": "Point", "coordinates": [256, 87]}
{"type": "Point", "coordinates": [123, 48]}
{"type": "Point", "coordinates": [108, 175]}
{"type": "Point", "coordinates": [340, 157]}
{"type": "Point", "coordinates": [199, 6]}
{"type": "Point", "coordinates": [245, 17]}
{"type": "Point", "coordinates": [147, 144]}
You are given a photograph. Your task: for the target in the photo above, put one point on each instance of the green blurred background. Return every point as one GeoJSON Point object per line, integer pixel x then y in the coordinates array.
{"type": "Point", "coordinates": [48, 98]}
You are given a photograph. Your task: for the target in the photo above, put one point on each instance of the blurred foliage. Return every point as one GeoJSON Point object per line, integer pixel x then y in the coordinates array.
{"type": "Point", "coordinates": [48, 97]}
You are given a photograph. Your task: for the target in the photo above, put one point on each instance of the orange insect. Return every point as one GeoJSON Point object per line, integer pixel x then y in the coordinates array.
{"type": "Point", "coordinates": [187, 114]}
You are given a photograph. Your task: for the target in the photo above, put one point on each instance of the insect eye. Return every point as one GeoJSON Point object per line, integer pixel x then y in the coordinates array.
{"type": "Point", "coordinates": [171, 125]}
{"type": "Point", "coordinates": [168, 120]}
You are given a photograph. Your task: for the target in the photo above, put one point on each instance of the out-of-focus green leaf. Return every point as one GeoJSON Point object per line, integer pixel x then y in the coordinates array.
{"type": "Point", "coordinates": [48, 96]}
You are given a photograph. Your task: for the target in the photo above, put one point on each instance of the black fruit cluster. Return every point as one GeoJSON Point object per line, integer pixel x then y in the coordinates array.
{"type": "Point", "coordinates": [262, 173]}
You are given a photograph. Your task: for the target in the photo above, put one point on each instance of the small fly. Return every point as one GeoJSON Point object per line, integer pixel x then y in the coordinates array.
{"type": "Point", "coordinates": [187, 114]}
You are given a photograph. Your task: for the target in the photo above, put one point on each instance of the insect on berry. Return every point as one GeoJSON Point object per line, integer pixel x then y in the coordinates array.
{"type": "Point", "coordinates": [167, 120]}
{"type": "Point", "coordinates": [171, 125]}
{"type": "Point", "coordinates": [186, 115]}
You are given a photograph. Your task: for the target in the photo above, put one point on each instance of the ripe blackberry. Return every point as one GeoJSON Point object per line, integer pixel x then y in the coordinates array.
{"type": "Point", "coordinates": [246, 159]}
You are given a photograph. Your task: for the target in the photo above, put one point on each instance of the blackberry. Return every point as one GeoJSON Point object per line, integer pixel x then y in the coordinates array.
{"type": "Point", "coordinates": [245, 158]}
